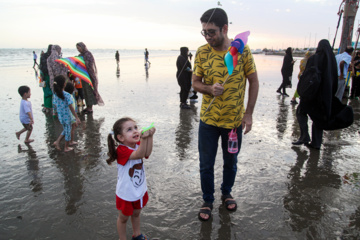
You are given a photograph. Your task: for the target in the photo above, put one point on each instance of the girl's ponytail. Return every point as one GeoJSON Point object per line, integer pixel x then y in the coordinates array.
{"type": "Point", "coordinates": [112, 150]}
{"type": "Point", "coordinates": [59, 82]}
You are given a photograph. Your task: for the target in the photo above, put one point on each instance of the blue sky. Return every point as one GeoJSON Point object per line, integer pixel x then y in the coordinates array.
{"type": "Point", "coordinates": [164, 24]}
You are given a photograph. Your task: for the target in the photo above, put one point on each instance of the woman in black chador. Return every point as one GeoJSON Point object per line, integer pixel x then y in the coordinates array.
{"type": "Point", "coordinates": [286, 71]}
{"type": "Point", "coordinates": [183, 75]}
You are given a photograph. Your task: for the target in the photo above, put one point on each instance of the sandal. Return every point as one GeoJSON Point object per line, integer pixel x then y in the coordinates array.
{"type": "Point", "coordinates": [227, 203]}
{"type": "Point", "coordinates": [140, 237]}
{"type": "Point", "coordinates": [205, 211]}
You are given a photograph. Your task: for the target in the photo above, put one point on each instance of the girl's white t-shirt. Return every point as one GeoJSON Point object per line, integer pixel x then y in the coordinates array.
{"type": "Point", "coordinates": [131, 183]}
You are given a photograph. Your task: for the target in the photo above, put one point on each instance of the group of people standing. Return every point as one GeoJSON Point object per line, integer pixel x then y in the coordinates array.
{"type": "Point", "coordinates": [50, 69]}
{"type": "Point", "coordinates": [325, 108]}
{"type": "Point", "coordinates": [58, 88]}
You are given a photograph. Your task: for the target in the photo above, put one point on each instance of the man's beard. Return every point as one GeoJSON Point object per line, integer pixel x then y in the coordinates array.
{"type": "Point", "coordinates": [218, 42]}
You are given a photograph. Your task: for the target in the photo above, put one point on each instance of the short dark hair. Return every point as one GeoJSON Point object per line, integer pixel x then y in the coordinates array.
{"type": "Point", "coordinates": [215, 15]}
{"type": "Point", "coordinates": [69, 87]}
{"type": "Point", "coordinates": [349, 50]}
{"type": "Point", "coordinates": [23, 89]}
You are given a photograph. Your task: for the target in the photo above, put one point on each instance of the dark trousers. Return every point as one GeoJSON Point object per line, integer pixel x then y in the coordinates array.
{"type": "Point", "coordinates": [316, 133]}
{"type": "Point", "coordinates": [185, 86]}
{"type": "Point", "coordinates": [355, 87]}
{"type": "Point", "coordinates": [284, 83]}
{"type": "Point", "coordinates": [208, 144]}
{"type": "Point", "coordinates": [35, 63]}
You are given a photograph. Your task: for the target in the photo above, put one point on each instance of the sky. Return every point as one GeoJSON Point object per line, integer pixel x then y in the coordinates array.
{"type": "Point", "coordinates": [165, 24]}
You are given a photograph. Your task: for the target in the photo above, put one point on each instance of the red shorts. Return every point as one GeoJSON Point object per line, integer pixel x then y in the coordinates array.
{"type": "Point", "coordinates": [127, 208]}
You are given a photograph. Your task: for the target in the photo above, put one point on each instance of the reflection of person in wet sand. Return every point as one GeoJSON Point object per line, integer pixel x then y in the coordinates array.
{"type": "Point", "coordinates": [32, 165]}
{"type": "Point", "coordinates": [131, 188]}
{"type": "Point", "coordinates": [183, 132]}
{"type": "Point", "coordinates": [26, 115]}
{"type": "Point", "coordinates": [304, 201]}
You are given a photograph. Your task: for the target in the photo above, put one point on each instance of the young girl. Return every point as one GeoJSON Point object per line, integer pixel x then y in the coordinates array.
{"type": "Point", "coordinates": [131, 188]}
{"type": "Point", "coordinates": [62, 102]}
{"type": "Point", "coordinates": [69, 88]}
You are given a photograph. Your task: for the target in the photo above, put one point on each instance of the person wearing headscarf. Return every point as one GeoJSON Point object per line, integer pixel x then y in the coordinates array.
{"type": "Point", "coordinates": [92, 96]}
{"type": "Point", "coordinates": [55, 68]}
{"type": "Point", "coordinates": [45, 77]}
{"type": "Point", "coordinates": [286, 71]}
{"type": "Point", "coordinates": [324, 100]}
{"type": "Point", "coordinates": [302, 68]}
{"type": "Point", "coordinates": [183, 75]}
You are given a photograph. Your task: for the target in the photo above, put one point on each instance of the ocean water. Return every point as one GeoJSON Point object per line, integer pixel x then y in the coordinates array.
{"type": "Point", "coordinates": [22, 57]}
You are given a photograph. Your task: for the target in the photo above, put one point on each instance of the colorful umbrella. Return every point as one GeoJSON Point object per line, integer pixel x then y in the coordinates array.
{"type": "Point", "coordinates": [231, 57]}
{"type": "Point", "coordinates": [76, 65]}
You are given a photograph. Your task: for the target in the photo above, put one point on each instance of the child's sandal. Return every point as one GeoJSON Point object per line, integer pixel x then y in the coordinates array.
{"type": "Point", "coordinates": [140, 237]}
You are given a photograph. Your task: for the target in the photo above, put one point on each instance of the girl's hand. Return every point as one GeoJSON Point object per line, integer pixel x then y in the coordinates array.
{"type": "Point", "coordinates": [78, 121]}
{"type": "Point", "coordinates": [145, 134]}
{"type": "Point", "coordinates": [152, 131]}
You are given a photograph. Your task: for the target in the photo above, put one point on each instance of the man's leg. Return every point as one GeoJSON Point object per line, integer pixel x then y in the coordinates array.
{"type": "Point", "coordinates": [230, 160]}
{"type": "Point", "coordinates": [208, 144]}
{"type": "Point", "coordinates": [340, 90]}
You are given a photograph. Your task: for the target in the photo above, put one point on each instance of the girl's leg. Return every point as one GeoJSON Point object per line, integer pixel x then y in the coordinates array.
{"type": "Point", "coordinates": [72, 142]}
{"type": "Point", "coordinates": [135, 221]}
{"type": "Point", "coordinates": [121, 225]}
{"type": "Point", "coordinates": [67, 131]}
{"type": "Point", "coordinates": [57, 142]}
{"type": "Point", "coordinates": [67, 148]}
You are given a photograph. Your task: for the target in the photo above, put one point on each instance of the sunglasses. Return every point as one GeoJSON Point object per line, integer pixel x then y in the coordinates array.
{"type": "Point", "coordinates": [210, 32]}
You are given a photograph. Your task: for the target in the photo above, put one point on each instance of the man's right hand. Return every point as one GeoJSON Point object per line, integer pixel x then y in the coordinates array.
{"type": "Point", "coordinates": [217, 89]}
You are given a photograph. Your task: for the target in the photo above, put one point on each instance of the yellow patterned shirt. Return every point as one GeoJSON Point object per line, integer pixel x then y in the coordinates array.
{"type": "Point", "coordinates": [228, 109]}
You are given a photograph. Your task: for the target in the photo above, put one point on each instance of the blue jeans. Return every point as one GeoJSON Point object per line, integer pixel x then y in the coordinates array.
{"type": "Point", "coordinates": [208, 144]}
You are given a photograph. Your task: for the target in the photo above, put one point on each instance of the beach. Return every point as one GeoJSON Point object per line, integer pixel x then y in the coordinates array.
{"type": "Point", "coordinates": [282, 191]}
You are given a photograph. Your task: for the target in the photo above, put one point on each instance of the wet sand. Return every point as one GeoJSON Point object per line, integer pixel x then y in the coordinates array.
{"type": "Point", "coordinates": [283, 192]}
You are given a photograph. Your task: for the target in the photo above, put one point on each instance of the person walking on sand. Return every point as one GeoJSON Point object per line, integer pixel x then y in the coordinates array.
{"type": "Point", "coordinates": [117, 57]}
{"type": "Point", "coordinates": [131, 189]}
{"type": "Point", "coordinates": [146, 53]}
{"type": "Point", "coordinates": [35, 58]}
{"type": "Point", "coordinates": [343, 62]}
{"type": "Point", "coordinates": [321, 106]}
{"type": "Point", "coordinates": [62, 103]}
{"type": "Point", "coordinates": [26, 115]}
{"type": "Point", "coordinates": [302, 68]}
{"type": "Point", "coordinates": [92, 96]}
{"type": "Point", "coordinates": [227, 112]}
{"type": "Point", "coordinates": [286, 71]}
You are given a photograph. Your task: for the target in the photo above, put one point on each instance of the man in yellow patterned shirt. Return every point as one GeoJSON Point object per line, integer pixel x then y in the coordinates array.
{"type": "Point", "coordinates": [227, 111]}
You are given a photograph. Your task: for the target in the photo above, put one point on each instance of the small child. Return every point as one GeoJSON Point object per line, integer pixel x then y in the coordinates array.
{"type": "Point", "coordinates": [62, 102]}
{"type": "Point", "coordinates": [69, 88]}
{"type": "Point", "coordinates": [131, 188]}
{"type": "Point", "coordinates": [80, 93]}
{"type": "Point", "coordinates": [26, 115]}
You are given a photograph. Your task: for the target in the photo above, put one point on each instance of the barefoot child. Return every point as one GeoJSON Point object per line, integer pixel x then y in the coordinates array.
{"type": "Point", "coordinates": [69, 88]}
{"type": "Point", "coordinates": [131, 189]}
{"type": "Point", "coordinates": [62, 103]}
{"type": "Point", "coordinates": [26, 116]}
